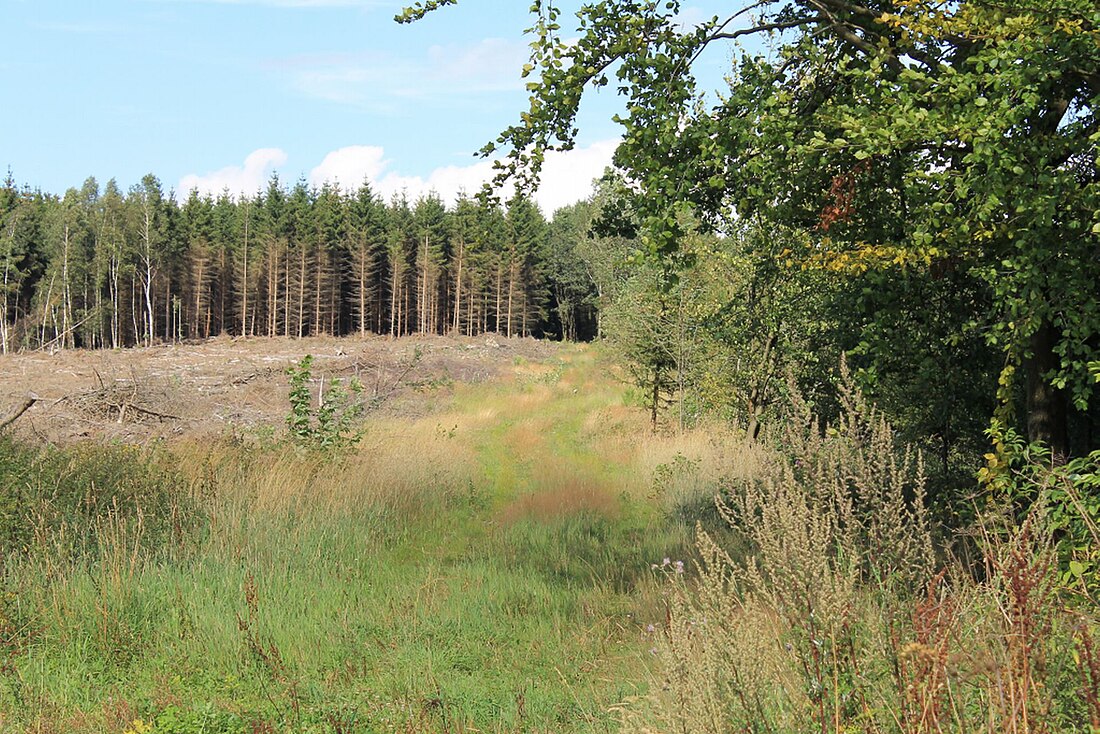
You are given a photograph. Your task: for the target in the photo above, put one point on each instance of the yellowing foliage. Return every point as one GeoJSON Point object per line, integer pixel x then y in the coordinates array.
{"type": "Point", "coordinates": [863, 258]}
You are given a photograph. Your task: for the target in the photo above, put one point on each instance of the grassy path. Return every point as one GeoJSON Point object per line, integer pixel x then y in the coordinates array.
{"type": "Point", "coordinates": [482, 568]}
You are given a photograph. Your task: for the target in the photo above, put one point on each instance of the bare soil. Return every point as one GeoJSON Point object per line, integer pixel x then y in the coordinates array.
{"type": "Point", "coordinates": [230, 384]}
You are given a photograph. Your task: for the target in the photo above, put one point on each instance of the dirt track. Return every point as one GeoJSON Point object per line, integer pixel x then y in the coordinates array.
{"type": "Point", "coordinates": [138, 395]}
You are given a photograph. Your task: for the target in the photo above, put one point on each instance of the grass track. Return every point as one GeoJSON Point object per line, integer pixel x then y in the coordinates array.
{"type": "Point", "coordinates": [483, 568]}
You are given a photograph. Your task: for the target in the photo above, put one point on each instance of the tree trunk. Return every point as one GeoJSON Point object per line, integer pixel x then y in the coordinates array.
{"type": "Point", "coordinates": [301, 288]}
{"type": "Point", "coordinates": [66, 292]}
{"type": "Point", "coordinates": [393, 297]}
{"type": "Point", "coordinates": [500, 276]}
{"type": "Point", "coordinates": [458, 285]}
{"type": "Point", "coordinates": [1046, 405]}
{"type": "Point", "coordinates": [244, 276]}
{"type": "Point", "coordinates": [511, 289]}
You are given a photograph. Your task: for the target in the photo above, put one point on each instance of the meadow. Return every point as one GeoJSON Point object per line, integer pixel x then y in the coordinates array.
{"type": "Point", "coordinates": [520, 553]}
{"type": "Point", "coordinates": [485, 566]}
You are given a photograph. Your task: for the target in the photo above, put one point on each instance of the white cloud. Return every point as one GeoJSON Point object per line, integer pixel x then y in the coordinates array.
{"type": "Point", "coordinates": [566, 178]}
{"type": "Point", "coordinates": [246, 179]}
{"type": "Point", "coordinates": [349, 166]}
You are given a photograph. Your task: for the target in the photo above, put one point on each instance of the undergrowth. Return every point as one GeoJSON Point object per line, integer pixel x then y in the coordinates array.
{"type": "Point", "coordinates": [70, 501]}
{"type": "Point", "coordinates": [834, 614]}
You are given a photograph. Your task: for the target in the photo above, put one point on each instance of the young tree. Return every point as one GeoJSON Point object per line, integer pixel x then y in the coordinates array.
{"type": "Point", "coordinates": [364, 243]}
{"type": "Point", "coordinates": [197, 217]}
{"type": "Point", "coordinates": [526, 244]}
{"type": "Point", "coordinates": [60, 302]}
{"type": "Point", "coordinates": [149, 221]}
{"type": "Point", "coordinates": [400, 250]}
{"type": "Point", "coordinates": [272, 221]}
{"type": "Point", "coordinates": [572, 287]}
{"type": "Point", "coordinates": [431, 224]}
{"type": "Point", "coordinates": [328, 233]}
{"type": "Point", "coordinates": [114, 259]}
{"type": "Point", "coordinates": [232, 251]}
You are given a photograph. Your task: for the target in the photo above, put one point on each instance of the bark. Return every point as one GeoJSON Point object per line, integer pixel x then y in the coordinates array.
{"type": "Point", "coordinates": [30, 400]}
{"type": "Point", "coordinates": [458, 286]}
{"type": "Point", "coordinates": [1046, 405]}
{"type": "Point", "coordinates": [244, 278]}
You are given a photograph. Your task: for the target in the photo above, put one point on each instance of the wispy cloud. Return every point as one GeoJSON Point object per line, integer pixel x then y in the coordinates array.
{"type": "Point", "coordinates": [384, 81]}
{"type": "Point", "coordinates": [567, 177]}
{"type": "Point", "coordinates": [297, 3]}
{"type": "Point", "coordinates": [91, 27]}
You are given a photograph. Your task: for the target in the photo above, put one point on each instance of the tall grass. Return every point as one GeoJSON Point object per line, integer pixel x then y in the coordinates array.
{"type": "Point", "coordinates": [833, 614]}
{"type": "Point", "coordinates": [426, 581]}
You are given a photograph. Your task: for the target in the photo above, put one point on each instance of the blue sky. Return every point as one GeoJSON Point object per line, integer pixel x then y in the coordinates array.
{"type": "Point", "coordinates": [214, 93]}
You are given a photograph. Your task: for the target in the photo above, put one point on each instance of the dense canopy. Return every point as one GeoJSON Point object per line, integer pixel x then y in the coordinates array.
{"type": "Point", "coordinates": [895, 134]}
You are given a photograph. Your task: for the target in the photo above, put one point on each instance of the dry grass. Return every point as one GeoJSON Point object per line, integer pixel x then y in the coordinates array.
{"type": "Point", "coordinates": [678, 469]}
{"type": "Point", "coordinates": [381, 472]}
{"type": "Point", "coordinates": [718, 452]}
{"type": "Point", "coordinates": [528, 437]}
{"type": "Point", "coordinates": [561, 495]}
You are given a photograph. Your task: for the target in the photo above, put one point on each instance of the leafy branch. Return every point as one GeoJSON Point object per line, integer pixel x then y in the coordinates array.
{"type": "Point", "coordinates": [329, 426]}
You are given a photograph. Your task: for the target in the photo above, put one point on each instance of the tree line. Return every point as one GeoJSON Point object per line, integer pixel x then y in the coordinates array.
{"type": "Point", "coordinates": [100, 267]}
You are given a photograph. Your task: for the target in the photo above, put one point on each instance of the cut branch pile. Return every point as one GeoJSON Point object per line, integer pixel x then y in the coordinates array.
{"type": "Point", "coordinates": [130, 400]}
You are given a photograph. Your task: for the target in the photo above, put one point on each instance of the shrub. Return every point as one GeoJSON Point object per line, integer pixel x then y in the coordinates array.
{"type": "Point", "coordinates": [331, 424]}
{"type": "Point", "coordinates": [835, 619]}
{"type": "Point", "coordinates": [1025, 479]}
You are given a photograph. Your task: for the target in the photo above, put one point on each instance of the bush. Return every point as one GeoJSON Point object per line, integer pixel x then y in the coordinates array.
{"type": "Point", "coordinates": [330, 425]}
{"type": "Point", "coordinates": [1025, 479]}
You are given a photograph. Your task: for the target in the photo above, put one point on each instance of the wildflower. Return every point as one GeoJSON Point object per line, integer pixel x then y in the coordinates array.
{"type": "Point", "coordinates": [678, 566]}
{"type": "Point", "coordinates": [650, 628]}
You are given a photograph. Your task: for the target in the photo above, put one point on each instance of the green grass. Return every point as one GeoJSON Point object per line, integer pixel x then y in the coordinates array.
{"type": "Point", "coordinates": [493, 576]}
